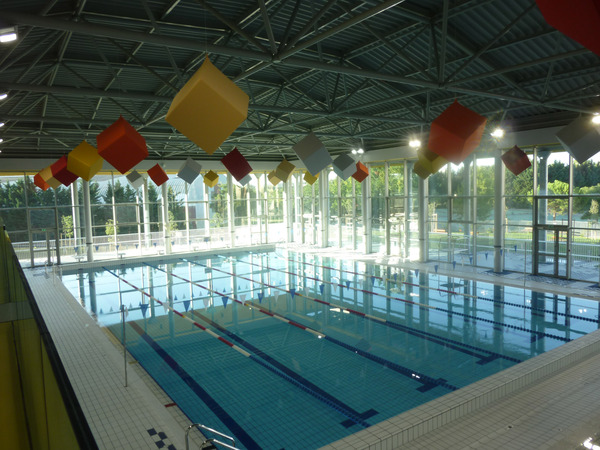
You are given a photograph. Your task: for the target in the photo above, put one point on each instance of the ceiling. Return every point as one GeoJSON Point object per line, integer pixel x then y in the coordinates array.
{"type": "Point", "coordinates": [359, 73]}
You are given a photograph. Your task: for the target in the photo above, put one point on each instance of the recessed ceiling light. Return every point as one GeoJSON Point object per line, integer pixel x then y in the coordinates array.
{"type": "Point", "coordinates": [415, 143]}
{"type": "Point", "coordinates": [498, 133]}
{"type": "Point", "coordinates": [596, 119]}
{"type": "Point", "coordinates": [1, 124]}
{"type": "Point", "coordinates": [8, 34]}
{"type": "Point", "coordinates": [3, 95]}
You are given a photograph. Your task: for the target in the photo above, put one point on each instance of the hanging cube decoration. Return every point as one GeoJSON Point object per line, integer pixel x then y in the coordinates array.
{"type": "Point", "coordinates": [273, 178]}
{"type": "Point", "coordinates": [581, 138]}
{"type": "Point", "coordinates": [122, 146]}
{"type": "Point", "coordinates": [578, 20]}
{"type": "Point", "coordinates": [516, 160]}
{"type": "Point", "coordinates": [135, 179]}
{"type": "Point", "coordinates": [158, 175]}
{"type": "Point", "coordinates": [310, 178]}
{"type": "Point", "coordinates": [247, 179]}
{"type": "Point", "coordinates": [344, 166]}
{"type": "Point", "coordinates": [47, 176]}
{"type": "Point", "coordinates": [211, 178]}
{"type": "Point", "coordinates": [456, 132]}
{"type": "Point", "coordinates": [189, 171]}
{"type": "Point", "coordinates": [84, 161]}
{"type": "Point", "coordinates": [421, 170]}
{"type": "Point", "coordinates": [284, 170]}
{"type": "Point", "coordinates": [208, 108]}
{"type": "Point", "coordinates": [236, 164]}
{"type": "Point", "coordinates": [430, 160]}
{"type": "Point", "coordinates": [312, 153]}
{"type": "Point", "coordinates": [39, 181]}
{"type": "Point", "coordinates": [61, 173]}
{"type": "Point", "coordinates": [361, 173]}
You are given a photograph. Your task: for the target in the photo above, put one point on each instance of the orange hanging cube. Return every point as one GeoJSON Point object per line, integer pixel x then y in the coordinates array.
{"type": "Point", "coordinates": [208, 108]}
{"type": "Point", "coordinates": [84, 161]}
{"type": "Point", "coordinates": [211, 178]}
{"type": "Point", "coordinates": [578, 20]}
{"type": "Point", "coordinates": [46, 175]}
{"type": "Point", "coordinates": [122, 146]}
{"type": "Point", "coordinates": [516, 160]}
{"type": "Point", "coordinates": [236, 164]}
{"type": "Point", "coordinates": [158, 175]}
{"type": "Point", "coordinates": [40, 182]}
{"type": "Point", "coordinates": [284, 170]}
{"type": "Point", "coordinates": [456, 132]}
{"type": "Point", "coordinates": [61, 173]}
{"type": "Point", "coordinates": [310, 178]}
{"type": "Point", "coordinates": [361, 173]}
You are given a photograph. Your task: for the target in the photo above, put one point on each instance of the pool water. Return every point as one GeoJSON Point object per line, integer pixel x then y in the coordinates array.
{"type": "Point", "coordinates": [293, 350]}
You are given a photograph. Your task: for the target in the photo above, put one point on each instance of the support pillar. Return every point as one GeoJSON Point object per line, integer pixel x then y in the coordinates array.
{"type": "Point", "coordinates": [499, 211]}
{"type": "Point", "coordinates": [87, 210]}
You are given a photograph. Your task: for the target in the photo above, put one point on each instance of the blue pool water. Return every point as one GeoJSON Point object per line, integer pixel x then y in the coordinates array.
{"type": "Point", "coordinates": [293, 350]}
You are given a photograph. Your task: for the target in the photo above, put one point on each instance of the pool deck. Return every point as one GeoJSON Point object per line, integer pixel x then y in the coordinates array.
{"type": "Point", "coordinates": [547, 402]}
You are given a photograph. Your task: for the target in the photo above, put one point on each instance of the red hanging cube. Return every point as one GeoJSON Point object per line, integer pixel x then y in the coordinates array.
{"type": "Point", "coordinates": [456, 132]}
{"type": "Point", "coordinates": [40, 182]}
{"type": "Point", "coordinates": [122, 146]}
{"type": "Point", "coordinates": [578, 20]}
{"type": "Point", "coordinates": [361, 173]}
{"type": "Point", "coordinates": [61, 173]}
{"type": "Point", "coordinates": [516, 160]}
{"type": "Point", "coordinates": [158, 175]}
{"type": "Point", "coordinates": [237, 165]}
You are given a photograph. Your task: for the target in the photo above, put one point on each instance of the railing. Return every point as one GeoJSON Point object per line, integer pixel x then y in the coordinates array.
{"type": "Point", "coordinates": [210, 440]}
{"type": "Point", "coordinates": [51, 409]}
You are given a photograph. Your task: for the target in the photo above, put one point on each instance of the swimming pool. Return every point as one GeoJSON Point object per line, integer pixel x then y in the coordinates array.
{"type": "Point", "coordinates": [294, 350]}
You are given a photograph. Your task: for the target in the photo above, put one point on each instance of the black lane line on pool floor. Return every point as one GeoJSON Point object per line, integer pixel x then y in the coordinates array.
{"type": "Point", "coordinates": [208, 400]}
{"type": "Point", "coordinates": [447, 311]}
{"type": "Point", "coordinates": [287, 374]}
{"type": "Point", "coordinates": [302, 382]}
{"type": "Point", "coordinates": [445, 291]}
{"type": "Point", "coordinates": [445, 342]}
{"type": "Point", "coordinates": [425, 380]}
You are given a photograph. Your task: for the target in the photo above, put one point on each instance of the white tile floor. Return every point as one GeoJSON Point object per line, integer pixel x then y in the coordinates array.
{"type": "Point", "coordinates": [556, 411]}
{"type": "Point", "coordinates": [119, 416]}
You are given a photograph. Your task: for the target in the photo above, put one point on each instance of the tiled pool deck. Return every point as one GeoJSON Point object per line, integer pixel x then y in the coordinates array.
{"type": "Point", "coordinates": [547, 402]}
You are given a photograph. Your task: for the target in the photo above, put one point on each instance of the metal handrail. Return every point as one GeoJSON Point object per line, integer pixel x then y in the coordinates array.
{"type": "Point", "coordinates": [211, 440]}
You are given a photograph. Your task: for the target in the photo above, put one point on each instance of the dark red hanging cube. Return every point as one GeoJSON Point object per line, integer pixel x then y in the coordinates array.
{"type": "Point", "coordinates": [122, 146]}
{"type": "Point", "coordinates": [516, 160]}
{"type": "Point", "coordinates": [61, 173]}
{"type": "Point", "coordinates": [158, 175]}
{"type": "Point", "coordinates": [237, 165]}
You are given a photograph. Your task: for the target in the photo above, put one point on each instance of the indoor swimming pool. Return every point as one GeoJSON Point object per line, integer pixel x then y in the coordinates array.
{"type": "Point", "coordinates": [296, 350]}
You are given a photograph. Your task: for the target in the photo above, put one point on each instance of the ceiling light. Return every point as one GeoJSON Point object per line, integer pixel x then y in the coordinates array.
{"type": "Point", "coordinates": [3, 95]}
{"type": "Point", "coordinates": [596, 119]}
{"type": "Point", "coordinates": [360, 151]}
{"type": "Point", "coordinates": [354, 152]}
{"type": "Point", "coordinates": [8, 34]}
{"type": "Point", "coordinates": [1, 124]}
{"type": "Point", "coordinates": [498, 133]}
{"type": "Point", "coordinates": [415, 143]}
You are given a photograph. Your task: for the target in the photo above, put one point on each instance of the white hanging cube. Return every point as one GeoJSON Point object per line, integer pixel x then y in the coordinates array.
{"type": "Point", "coordinates": [581, 138]}
{"type": "Point", "coordinates": [135, 179]}
{"type": "Point", "coordinates": [189, 171]}
{"type": "Point", "coordinates": [344, 166]}
{"type": "Point", "coordinates": [312, 153]}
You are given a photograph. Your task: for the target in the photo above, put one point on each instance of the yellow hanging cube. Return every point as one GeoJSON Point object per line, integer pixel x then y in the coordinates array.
{"type": "Point", "coordinates": [309, 178]}
{"type": "Point", "coordinates": [421, 170]}
{"type": "Point", "coordinates": [431, 161]}
{"type": "Point", "coordinates": [273, 178]}
{"type": "Point", "coordinates": [208, 108]}
{"type": "Point", "coordinates": [211, 178]}
{"type": "Point", "coordinates": [47, 176]}
{"type": "Point", "coordinates": [84, 161]}
{"type": "Point", "coordinates": [284, 170]}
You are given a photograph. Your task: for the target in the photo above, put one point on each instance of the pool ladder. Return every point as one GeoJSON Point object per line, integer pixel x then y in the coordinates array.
{"type": "Point", "coordinates": [211, 440]}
